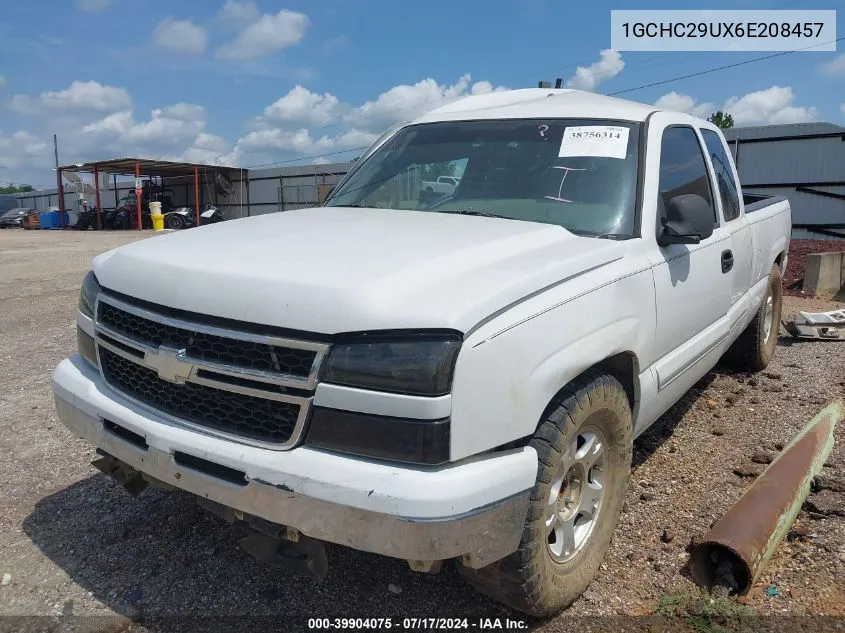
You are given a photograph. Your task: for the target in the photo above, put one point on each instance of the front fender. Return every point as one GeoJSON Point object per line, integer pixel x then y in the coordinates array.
{"type": "Point", "coordinates": [509, 371]}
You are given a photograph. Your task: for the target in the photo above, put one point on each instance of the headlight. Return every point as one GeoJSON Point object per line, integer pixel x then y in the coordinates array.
{"type": "Point", "coordinates": [88, 294]}
{"type": "Point", "coordinates": [421, 367]}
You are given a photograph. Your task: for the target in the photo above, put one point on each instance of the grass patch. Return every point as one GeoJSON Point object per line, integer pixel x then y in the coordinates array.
{"type": "Point", "coordinates": [704, 614]}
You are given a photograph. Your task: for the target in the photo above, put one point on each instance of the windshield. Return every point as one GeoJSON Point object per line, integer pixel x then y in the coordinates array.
{"type": "Point", "coordinates": [578, 173]}
{"type": "Point", "coordinates": [13, 213]}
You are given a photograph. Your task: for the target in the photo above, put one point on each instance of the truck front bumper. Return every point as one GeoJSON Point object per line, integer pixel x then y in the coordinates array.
{"type": "Point", "coordinates": [474, 509]}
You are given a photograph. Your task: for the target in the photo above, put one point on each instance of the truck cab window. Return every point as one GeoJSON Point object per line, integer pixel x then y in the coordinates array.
{"type": "Point", "coordinates": [724, 175]}
{"type": "Point", "coordinates": [682, 167]}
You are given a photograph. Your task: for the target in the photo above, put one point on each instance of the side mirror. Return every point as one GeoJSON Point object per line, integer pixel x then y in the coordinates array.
{"type": "Point", "coordinates": [689, 219]}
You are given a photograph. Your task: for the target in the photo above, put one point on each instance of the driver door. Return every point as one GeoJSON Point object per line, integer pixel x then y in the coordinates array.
{"type": "Point", "coordinates": [692, 282]}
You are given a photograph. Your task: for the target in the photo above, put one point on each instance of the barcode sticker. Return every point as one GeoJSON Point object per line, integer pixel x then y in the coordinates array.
{"type": "Point", "coordinates": [605, 141]}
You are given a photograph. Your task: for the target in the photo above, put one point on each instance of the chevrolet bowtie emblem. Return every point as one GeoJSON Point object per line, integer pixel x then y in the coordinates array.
{"type": "Point", "coordinates": [170, 363]}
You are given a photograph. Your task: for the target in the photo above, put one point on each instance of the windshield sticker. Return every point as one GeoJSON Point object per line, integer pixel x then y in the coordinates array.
{"type": "Point", "coordinates": [604, 141]}
{"type": "Point", "coordinates": [543, 129]}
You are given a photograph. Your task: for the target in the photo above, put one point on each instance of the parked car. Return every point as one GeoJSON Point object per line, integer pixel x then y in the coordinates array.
{"type": "Point", "coordinates": [456, 380]}
{"type": "Point", "coordinates": [13, 218]}
{"type": "Point", "coordinates": [443, 185]}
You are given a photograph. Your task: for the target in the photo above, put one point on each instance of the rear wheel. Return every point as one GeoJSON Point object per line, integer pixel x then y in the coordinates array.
{"type": "Point", "coordinates": [584, 447]}
{"type": "Point", "coordinates": [755, 347]}
{"type": "Point", "coordinates": [174, 221]}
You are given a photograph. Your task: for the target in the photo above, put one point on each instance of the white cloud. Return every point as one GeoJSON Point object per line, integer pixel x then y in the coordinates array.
{"type": "Point", "coordinates": [167, 127]}
{"type": "Point", "coordinates": [302, 106]}
{"type": "Point", "coordinates": [842, 107]}
{"type": "Point", "coordinates": [773, 105]}
{"type": "Point", "coordinates": [589, 77]}
{"type": "Point", "coordinates": [180, 35]}
{"type": "Point", "coordinates": [266, 35]}
{"type": "Point", "coordinates": [206, 148]}
{"type": "Point", "coordinates": [20, 148]}
{"type": "Point", "coordinates": [684, 103]}
{"type": "Point", "coordinates": [237, 14]}
{"type": "Point", "coordinates": [81, 95]}
{"type": "Point", "coordinates": [93, 5]}
{"type": "Point", "coordinates": [406, 101]}
{"type": "Point", "coordinates": [288, 125]}
{"type": "Point", "coordinates": [763, 107]}
{"type": "Point", "coordinates": [181, 112]}
{"type": "Point", "coordinates": [834, 67]}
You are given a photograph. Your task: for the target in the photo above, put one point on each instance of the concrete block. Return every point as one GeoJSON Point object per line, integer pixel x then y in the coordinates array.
{"type": "Point", "coordinates": [823, 274]}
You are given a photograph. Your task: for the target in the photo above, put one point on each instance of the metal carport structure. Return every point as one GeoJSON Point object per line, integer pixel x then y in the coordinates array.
{"type": "Point", "coordinates": [140, 168]}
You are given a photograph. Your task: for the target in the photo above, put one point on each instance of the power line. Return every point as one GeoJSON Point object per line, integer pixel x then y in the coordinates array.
{"type": "Point", "coordinates": [717, 68]}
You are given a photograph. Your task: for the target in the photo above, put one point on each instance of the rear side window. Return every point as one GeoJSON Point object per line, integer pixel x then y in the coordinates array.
{"type": "Point", "coordinates": [724, 176]}
{"type": "Point", "coordinates": [683, 169]}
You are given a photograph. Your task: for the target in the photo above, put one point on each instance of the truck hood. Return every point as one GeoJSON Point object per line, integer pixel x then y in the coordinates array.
{"type": "Point", "coordinates": [335, 269]}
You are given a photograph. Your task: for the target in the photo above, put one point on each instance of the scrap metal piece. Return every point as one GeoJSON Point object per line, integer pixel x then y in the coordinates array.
{"type": "Point", "coordinates": [739, 545]}
{"type": "Point", "coordinates": [306, 556]}
{"type": "Point", "coordinates": [818, 325]}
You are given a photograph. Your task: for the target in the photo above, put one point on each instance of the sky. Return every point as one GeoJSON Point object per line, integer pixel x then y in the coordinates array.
{"type": "Point", "coordinates": [252, 82]}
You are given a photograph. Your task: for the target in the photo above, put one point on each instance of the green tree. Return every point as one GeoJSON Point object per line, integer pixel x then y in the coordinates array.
{"type": "Point", "coordinates": [721, 119]}
{"type": "Point", "coordinates": [16, 189]}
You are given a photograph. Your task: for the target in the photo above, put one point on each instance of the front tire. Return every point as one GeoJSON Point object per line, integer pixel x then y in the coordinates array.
{"type": "Point", "coordinates": [755, 347]}
{"type": "Point", "coordinates": [584, 446]}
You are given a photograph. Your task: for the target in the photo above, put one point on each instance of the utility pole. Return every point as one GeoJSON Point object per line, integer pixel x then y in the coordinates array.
{"type": "Point", "coordinates": [60, 187]}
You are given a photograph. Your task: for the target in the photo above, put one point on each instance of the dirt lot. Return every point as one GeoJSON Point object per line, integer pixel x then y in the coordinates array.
{"type": "Point", "coordinates": [72, 542]}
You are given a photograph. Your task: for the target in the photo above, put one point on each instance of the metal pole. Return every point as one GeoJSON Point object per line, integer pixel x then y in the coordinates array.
{"type": "Point", "coordinates": [61, 189]}
{"type": "Point", "coordinates": [116, 197]}
{"type": "Point", "coordinates": [197, 194]}
{"type": "Point", "coordinates": [739, 545]}
{"type": "Point", "coordinates": [97, 197]}
{"type": "Point", "coordinates": [138, 194]}
{"type": "Point", "coordinates": [248, 213]}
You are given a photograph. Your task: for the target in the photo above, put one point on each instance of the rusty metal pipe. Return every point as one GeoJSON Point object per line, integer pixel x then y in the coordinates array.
{"type": "Point", "coordinates": [740, 544]}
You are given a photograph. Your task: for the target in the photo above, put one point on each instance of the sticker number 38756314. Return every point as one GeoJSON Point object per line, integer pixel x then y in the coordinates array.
{"type": "Point", "coordinates": [605, 141]}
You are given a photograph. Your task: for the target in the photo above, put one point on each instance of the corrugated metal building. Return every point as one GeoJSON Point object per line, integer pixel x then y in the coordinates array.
{"type": "Point", "coordinates": [804, 162]}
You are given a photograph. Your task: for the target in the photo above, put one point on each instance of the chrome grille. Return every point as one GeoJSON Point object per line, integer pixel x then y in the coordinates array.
{"type": "Point", "coordinates": [201, 345]}
{"type": "Point", "coordinates": [233, 413]}
{"type": "Point", "coordinates": [250, 387]}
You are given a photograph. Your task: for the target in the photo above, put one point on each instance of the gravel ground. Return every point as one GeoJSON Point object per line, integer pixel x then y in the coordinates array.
{"type": "Point", "coordinates": [72, 542]}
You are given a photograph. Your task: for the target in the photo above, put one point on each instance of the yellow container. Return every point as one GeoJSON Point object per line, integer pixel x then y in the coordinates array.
{"type": "Point", "coordinates": [158, 221]}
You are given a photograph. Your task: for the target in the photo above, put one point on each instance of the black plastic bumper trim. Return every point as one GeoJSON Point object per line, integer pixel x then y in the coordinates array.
{"type": "Point", "coordinates": [380, 437]}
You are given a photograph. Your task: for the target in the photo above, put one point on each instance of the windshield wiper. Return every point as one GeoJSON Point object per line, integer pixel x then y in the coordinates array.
{"type": "Point", "coordinates": [485, 214]}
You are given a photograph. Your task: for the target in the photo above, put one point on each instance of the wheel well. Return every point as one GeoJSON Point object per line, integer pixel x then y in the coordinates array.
{"type": "Point", "coordinates": [624, 368]}
{"type": "Point", "coordinates": [779, 259]}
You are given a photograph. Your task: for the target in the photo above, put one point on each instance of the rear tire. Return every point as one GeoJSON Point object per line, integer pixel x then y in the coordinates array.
{"type": "Point", "coordinates": [755, 347]}
{"type": "Point", "coordinates": [553, 566]}
{"type": "Point", "coordinates": [174, 221]}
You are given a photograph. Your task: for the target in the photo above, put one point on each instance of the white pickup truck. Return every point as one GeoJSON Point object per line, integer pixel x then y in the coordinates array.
{"type": "Point", "coordinates": [443, 185]}
{"type": "Point", "coordinates": [460, 379]}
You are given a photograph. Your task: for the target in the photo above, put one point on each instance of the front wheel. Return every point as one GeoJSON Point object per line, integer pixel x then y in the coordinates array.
{"type": "Point", "coordinates": [584, 446]}
{"type": "Point", "coordinates": [755, 347]}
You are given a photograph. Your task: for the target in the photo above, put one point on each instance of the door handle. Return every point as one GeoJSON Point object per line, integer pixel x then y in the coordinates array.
{"type": "Point", "coordinates": [727, 261]}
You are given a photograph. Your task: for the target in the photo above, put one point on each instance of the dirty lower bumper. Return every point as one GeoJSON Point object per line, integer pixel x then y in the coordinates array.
{"type": "Point", "coordinates": [478, 530]}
